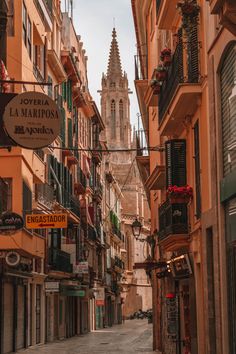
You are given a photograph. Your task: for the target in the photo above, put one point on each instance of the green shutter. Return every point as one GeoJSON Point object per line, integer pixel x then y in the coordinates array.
{"type": "Point", "coordinates": [64, 91]}
{"type": "Point", "coordinates": [69, 95]}
{"type": "Point", "coordinates": [70, 133]}
{"type": "Point", "coordinates": [63, 127]}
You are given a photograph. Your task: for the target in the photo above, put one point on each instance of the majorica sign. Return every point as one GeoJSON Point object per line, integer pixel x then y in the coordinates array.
{"type": "Point", "coordinates": [32, 120]}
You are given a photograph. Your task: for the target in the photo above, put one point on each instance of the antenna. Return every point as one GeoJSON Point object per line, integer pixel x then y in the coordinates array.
{"type": "Point", "coordinates": [114, 22]}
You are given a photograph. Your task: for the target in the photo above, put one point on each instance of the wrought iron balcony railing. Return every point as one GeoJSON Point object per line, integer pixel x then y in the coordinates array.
{"type": "Point", "coordinates": [59, 260]}
{"type": "Point", "coordinates": [91, 233]}
{"type": "Point", "coordinates": [81, 177]}
{"type": "Point", "coordinates": [184, 68]}
{"type": "Point", "coordinates": [140, 65]}
{"type": "Point", "coordinates": [173, 219]}
{"type": "Point", "coordinates": [45, 194]}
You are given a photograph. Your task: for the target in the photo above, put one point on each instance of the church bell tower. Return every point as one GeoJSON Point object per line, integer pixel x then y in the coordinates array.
{"type": "Point", "coordinates": [115, 104]}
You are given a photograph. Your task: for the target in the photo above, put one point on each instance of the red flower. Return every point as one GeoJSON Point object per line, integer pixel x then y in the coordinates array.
{"type": "Point", "coordinates": [185, 191]}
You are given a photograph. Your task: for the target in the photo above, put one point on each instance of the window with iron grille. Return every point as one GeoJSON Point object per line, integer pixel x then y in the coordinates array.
{"type": "Point", "coordinates": [197, 170]}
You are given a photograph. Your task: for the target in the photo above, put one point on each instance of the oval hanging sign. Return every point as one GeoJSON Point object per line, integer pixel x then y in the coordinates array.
{"type": "Point", "coordinates": [11, 221]}
{"type": "Point", "coordinates": [32, 120]}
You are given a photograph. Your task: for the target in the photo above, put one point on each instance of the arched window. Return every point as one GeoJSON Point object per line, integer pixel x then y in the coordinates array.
{"type": "Point", "coordinates": [228, 109]}
{"type": "Point", "coordinates": [113, 119]}
{"type": "Point", "coordinates": [121, 116]}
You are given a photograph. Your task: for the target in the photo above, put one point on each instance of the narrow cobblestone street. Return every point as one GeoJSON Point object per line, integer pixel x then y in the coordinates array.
{"type": "Point", "coordinates": [132, 337]}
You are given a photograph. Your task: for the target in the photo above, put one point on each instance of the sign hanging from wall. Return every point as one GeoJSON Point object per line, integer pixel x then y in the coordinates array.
{"type": "Point", "coordinates": [81, 268]}
{"type": "Point", "coordinates": [10, 222]}
{"type": "Point", "coordinates": [32, 120]}
{"type": "Point", "coordinates": [46, 221]}
{"type": "Point", "coordinates": [180, 266]}
{"type": "Point", "coordinates": [52, 286]}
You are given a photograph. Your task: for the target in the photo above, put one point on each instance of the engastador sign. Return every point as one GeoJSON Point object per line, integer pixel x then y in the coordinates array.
{"type": "Point", "coordinates": [32, 120]}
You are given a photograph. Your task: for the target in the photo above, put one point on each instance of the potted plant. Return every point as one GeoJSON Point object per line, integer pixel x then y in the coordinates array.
{"type": "Point", "coordinates": [179, 194]}
{"type": "Point", "coordinates": [161, 73]}
{"type": "Point", "coordinates": [189, 10]}
{"type": "Point", "coordinates": [166, 56]}
{"type": "Point", "coordinates": [156, 86]}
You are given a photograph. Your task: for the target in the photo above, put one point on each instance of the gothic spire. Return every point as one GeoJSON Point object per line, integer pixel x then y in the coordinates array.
{"type": "Point", "coordinates": [114, 64]}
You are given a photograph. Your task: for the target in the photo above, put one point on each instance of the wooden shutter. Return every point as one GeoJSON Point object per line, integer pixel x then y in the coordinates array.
{"type": "Point", "coordinates": [176, 163]}
{"type": "Point", "coordinates": [197, 170]}
{"type": "Point", "coordinates": [193, 57]}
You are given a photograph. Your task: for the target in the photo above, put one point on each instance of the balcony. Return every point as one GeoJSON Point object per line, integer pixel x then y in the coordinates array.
{"type": "Point", "coordinates": [142, 156]}
{"type": "Point", "coordinates": [92, 235]}
{"type": "Point", "coordinates": [56, 65]}
{"type": "Point", "coordinates": [141, 85]}
{"type": "Point", "coordinates": [39, 169]}
{"type": "Point", "coordinates": [226, 9]}
{"type": "Point", "coordinates": [157, 179]}
{"type": "Point", "coordinates": [44, 8]}
{"type": "Point", "coordinates": [81, 183]}
{"type": "Point", "coordinates": [98, 191]}
{"type": "Point", "coordinates": [97, 155]}
{"type": "Point", "coordinates": [59, 260]}
{"type": "Point", "coordinates": [38, 74]}
{"type": "Point", "coordinates": [45, 195]}
{"type": "Point", "coordinates": [166, 13]}
{"type": "Point", "coordinates": [173, 225]}
{"type": "Point", "coordinates": [70, 63]}
{"type": "Point", "coordinates": [25, 243]}
{"type": "Point", "coordinates": [119, 264]}
{"type": "Point", "coordinates": [75, 206]}
{"type": "Point", "coordinates": [181, 91]}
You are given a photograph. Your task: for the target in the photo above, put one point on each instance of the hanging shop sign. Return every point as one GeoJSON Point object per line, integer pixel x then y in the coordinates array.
{"type": "Point", "coordinates": [81, 268]}
{"type": "Point", "coordinates": [32, 120]}
{"type": "Point", "coordinates": [10, 222]}
{"type": "Point", "coordinates": [46, 221]}
{"type": "Point", "coordinates": [180, 266]}
{"type": "Point", "coordinates": [12, 258]}
{"type": "Point", "coordinates": [99, 296]}
{"type": "Point", "coordinates": [52, 286]}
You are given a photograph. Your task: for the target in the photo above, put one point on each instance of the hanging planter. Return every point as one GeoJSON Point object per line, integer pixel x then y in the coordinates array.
{"type": "Point", "coordinates": [161, 73]}
{"type": "Point", "coordinates": [156, 86]}
{"type": "Point", "coordinates": [189, 10]}
{"type": "Point", "coordinates": [179, 195]}
{"type": "Point", "coordinates": [166, 56]}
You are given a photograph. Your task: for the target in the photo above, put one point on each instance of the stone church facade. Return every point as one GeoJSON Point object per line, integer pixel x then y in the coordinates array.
{"type": "Point", "coordinates": [115, 112]}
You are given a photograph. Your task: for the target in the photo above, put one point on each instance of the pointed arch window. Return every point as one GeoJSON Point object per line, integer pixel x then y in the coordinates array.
{"type": "Point", "coordinates": [121, 116]}
{"type": "Point", "coordinates": [113, 119]}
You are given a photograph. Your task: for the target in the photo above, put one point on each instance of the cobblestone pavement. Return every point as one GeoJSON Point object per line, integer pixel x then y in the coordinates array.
{"type": "Point", "coordinates": [134, 336]}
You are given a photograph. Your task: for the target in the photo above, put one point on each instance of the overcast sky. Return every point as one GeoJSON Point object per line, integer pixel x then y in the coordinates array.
{"type": "Point", "coordinates": [94, 20]}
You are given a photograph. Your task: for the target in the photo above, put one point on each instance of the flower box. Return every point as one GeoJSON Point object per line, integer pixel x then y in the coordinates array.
{"type": "Point", "coordinates": [177, 194]}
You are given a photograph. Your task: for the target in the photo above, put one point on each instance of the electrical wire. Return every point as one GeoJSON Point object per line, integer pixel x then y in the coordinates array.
{"type": "Point", "coordinates": [148, 148]}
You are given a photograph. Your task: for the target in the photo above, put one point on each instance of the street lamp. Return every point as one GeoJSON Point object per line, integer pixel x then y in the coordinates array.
{"type": "Point", "coordinates": [136, 228]}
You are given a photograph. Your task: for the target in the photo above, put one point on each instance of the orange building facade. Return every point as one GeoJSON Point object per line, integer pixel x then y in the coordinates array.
{"type": "Point", "coordinates": [184, 49]}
